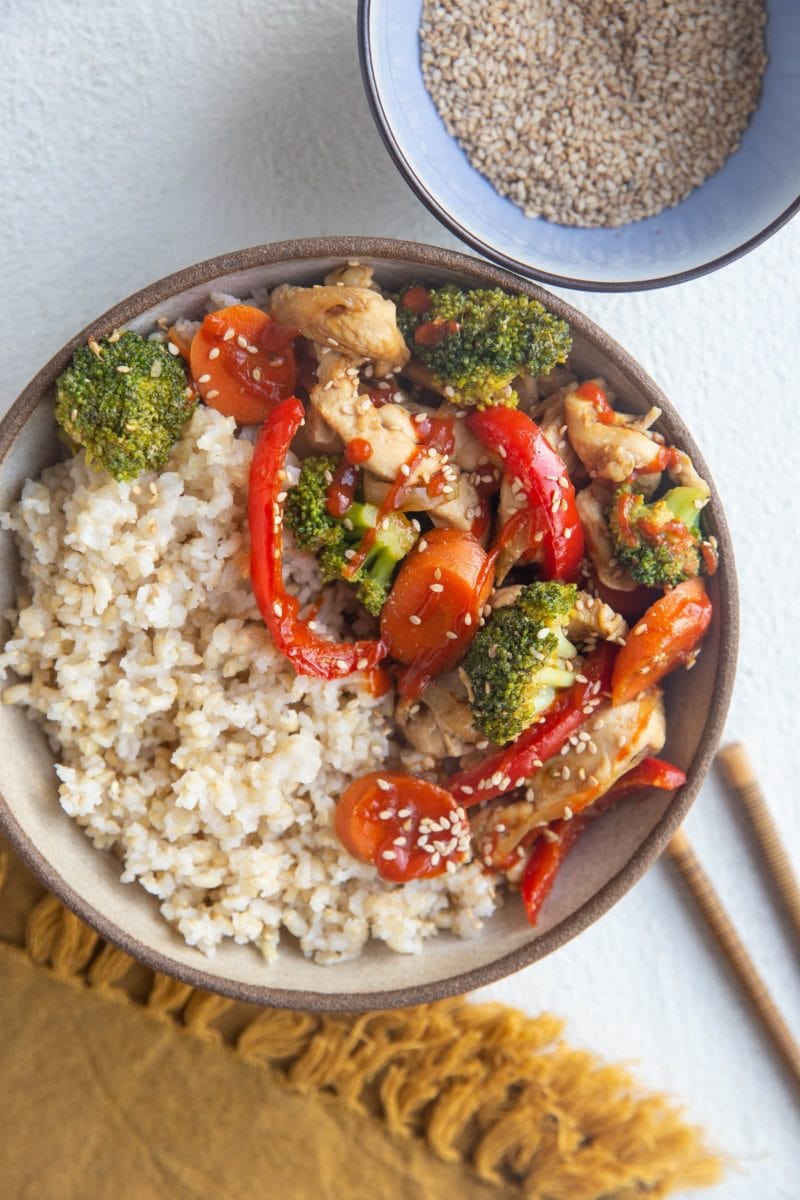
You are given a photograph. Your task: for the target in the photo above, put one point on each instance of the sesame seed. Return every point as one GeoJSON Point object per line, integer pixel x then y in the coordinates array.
{"type": "Point", "coordinates": [256, 373]}
{"type": "Point", "coordinates": [384, 785]}
{"type": "Point", "coordinates": [242, 341]}
{"type": "Point", "coordinates": [341, 664]}
{"type": "Point", "coordinates": [362, 664]}
{"type": "Point", "coordinates": [212, 395]}
{"type": "Point", "coordinates": [204, 379]}
{"type": "Point", "coordinates": [450, 635]}
{"type": "Point", "coordinates": [277, 608]}
{"type": "Point", "coordinates": [123, 370]}
{"type": "Point", "coordinates": [390, 854]}
{"type": "Point", "coordinates": [213, 352]}
{"type": "Point", "coordinates": [414, 619]}
{"type": "Point", "coordinates": [173, 349]}
{"type": "Point", "coordinates": [422, 544]}
{"type": "Point", "coordinates": [436, 587]}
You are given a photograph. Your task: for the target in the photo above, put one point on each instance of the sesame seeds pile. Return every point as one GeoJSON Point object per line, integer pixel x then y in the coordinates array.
{"type": "Point", "coordinates": [594, 112]}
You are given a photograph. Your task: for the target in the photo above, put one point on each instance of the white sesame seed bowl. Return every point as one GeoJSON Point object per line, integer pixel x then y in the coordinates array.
{"type": "Point", "coordinates": [610, 857]}
{"type": "Point", "coordinates": [692, 127]}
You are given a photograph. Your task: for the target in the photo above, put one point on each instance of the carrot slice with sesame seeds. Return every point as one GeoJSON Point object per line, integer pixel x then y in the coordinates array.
{"type": "Point", "coordinates": [407, 828]}
{"type": "Point", "coordinates": [665, 637]}
{"type": "Point", "coordinates": [243, 362]}
{"type": "Point", "coordinates": [435, 604]}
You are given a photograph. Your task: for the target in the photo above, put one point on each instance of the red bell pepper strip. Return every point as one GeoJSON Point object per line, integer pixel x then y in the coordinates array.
{"type": "Point", "coordinates": [308, 653]}
{"type": "Point", "coordinates": [541, 741]}
{"type": "Point", "coordinates": [548, 853]}
{"type": "Point", "coordinates": [543, 865]}
{"type": "Point", "coordinates": [650, 772]}
{"type": "Point", "coordinates": [529, 457]}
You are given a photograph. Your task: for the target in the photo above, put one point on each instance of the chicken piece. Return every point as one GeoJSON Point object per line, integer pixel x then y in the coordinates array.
{"type": "Point", "coordinates": [468, 452]}
{"type": "Point", "coordinates": [685, 475]}
{"type": "Point", "coordinates": [439, 723]}
{"type": "Point", "coordinates": [558, 380]}
{"type": "Point", "coordinates": [317, 435]}
{"type": "Point", "coordinates": [393, 436]}
{"type": "Point", "coordinates": [611, 742]}
{"type": "Point", "coordinates": [592, 503]}
{"type": "Point", "coordinates": [550, 415]}
{"type": "Point", "coordinates": [356, 321]}
{"type": "Point", "coordinates": [591, 618]}
{"type": "Point", "coordinates": [351, 274]}
{"type": "Point", "coordinates": [616, 450]}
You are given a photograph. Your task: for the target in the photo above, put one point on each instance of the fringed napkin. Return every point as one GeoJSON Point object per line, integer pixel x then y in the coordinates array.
{"type": "Point", "coordinates": [115, 1081]}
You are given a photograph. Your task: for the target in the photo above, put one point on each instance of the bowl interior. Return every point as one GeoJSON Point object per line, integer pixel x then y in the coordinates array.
{"type": "Point", "coordinates": [608, 859]}
{"type": "Point", "coordinates": [755, 189]}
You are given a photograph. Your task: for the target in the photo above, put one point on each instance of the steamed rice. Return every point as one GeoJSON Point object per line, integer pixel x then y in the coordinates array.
{"type": "Point", "coordinates": [185, 741]}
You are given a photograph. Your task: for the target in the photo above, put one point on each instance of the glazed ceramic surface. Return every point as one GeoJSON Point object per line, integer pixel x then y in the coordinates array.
{"type": "Point", "coordinates": [755, 192]}
{"type": "Point", "coordinates": [609, 858]}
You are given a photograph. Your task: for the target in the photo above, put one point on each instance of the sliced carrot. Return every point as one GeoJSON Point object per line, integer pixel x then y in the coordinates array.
{"type": "Point", "coordinates": [663, 639]}
{"type": "Point", "coordinates": [405, 827]}
{"type": "Point", "coordinates": [243, 362]}
{"type": "Point", "coordinates": [442, 583]}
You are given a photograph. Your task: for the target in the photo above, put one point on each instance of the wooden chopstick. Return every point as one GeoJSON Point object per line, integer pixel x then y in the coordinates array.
{"type": "Point", "coordinates": [732, 947]}
{"type": "Point", "coordinates": [741, 780]}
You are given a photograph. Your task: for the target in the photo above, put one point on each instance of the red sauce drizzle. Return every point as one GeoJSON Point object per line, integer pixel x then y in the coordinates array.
{"type": "Point", "coordinates": [358, 450]}
{"type": "Point", "coordinates": [342, 488]}
{"type": "Point", "coordinates": [378, 681]}
{"type": "Point", "coordinates": [431, 333]}
{"type": "Point", "coordinates": [592, 392]}
{"type": "Point", "coordinates": [417, 299]}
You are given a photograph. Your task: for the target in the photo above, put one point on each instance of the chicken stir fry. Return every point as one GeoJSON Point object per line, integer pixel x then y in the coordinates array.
{"type": "Point", "coordinates": [524, 560]}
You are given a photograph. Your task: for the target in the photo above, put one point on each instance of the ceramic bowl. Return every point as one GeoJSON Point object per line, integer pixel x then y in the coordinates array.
{"type": "Point", "coordinates": [755, 192]}
{"type": "Point", "coordinates": [608, 860]}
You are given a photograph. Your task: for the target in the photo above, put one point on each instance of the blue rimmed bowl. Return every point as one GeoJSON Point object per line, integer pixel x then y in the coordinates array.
{"type": "Point", "coordinates": [755, 192]}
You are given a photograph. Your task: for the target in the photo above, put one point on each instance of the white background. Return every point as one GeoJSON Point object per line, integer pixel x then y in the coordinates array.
{"type": "Point", "coordinates": [139, 138]}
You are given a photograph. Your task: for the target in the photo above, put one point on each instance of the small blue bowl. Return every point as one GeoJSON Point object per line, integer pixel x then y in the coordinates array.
{"type": "Point", "coordinates": [755, 192]}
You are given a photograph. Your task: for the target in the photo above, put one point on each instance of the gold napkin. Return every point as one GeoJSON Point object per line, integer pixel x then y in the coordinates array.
{"type": "Point", "coordinates": [118, 1082]}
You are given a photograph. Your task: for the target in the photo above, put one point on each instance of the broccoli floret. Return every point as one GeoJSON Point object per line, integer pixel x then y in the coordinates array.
{"type": "Point", "coordinates": [331, 538]}
{"type": "Point", "coordinates": [125, 402]}
{"type": "Point", "coordinates": [517, 661]}
{"type": "Point", "coordinates": [658, 544]}
{"type": "Point", "coordinates": [476, 341]}
{"type": "Point", "coordinates": [306, 509]}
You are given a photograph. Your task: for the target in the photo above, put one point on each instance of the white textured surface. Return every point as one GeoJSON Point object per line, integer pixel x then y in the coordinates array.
{"type": "Point", "coordinates": [151, 136]}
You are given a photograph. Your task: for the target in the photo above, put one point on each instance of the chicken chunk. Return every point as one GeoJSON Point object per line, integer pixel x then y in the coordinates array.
{"type": "Point", "coordinates": [592, 503]}
{"type": "Point", "coordinates": [591, 619]}
{"type": "Point", "coordinates": [616, 450]}
{"type": "Point", "coordinates": [439, 723]}
{"type": "Point", "coordinates": [356, 321]}
{"type": "Point", "coordinates": [353, 274]}
{"type": "Point", "coordinates": [683, 473]}
{"type": "Point", "coordinates": [393, 436]}
{"type": "Point", "coordinates": [613, 741]}
{"type": "Point", "coordinates": [550, 415]}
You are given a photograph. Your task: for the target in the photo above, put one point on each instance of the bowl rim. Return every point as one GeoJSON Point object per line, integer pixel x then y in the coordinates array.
{"type": "Point", "coordinates": [419, 255]}
{"type": "Point", "coordinates": [508, 262]}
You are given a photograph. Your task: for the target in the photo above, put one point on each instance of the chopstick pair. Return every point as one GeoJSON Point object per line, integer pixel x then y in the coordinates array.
{"type": "Point", "coordinates": [740, 779]}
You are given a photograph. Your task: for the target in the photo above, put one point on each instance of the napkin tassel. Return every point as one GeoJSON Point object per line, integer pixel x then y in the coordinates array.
{"type": "Point", "coordinates": [483, 1084]}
